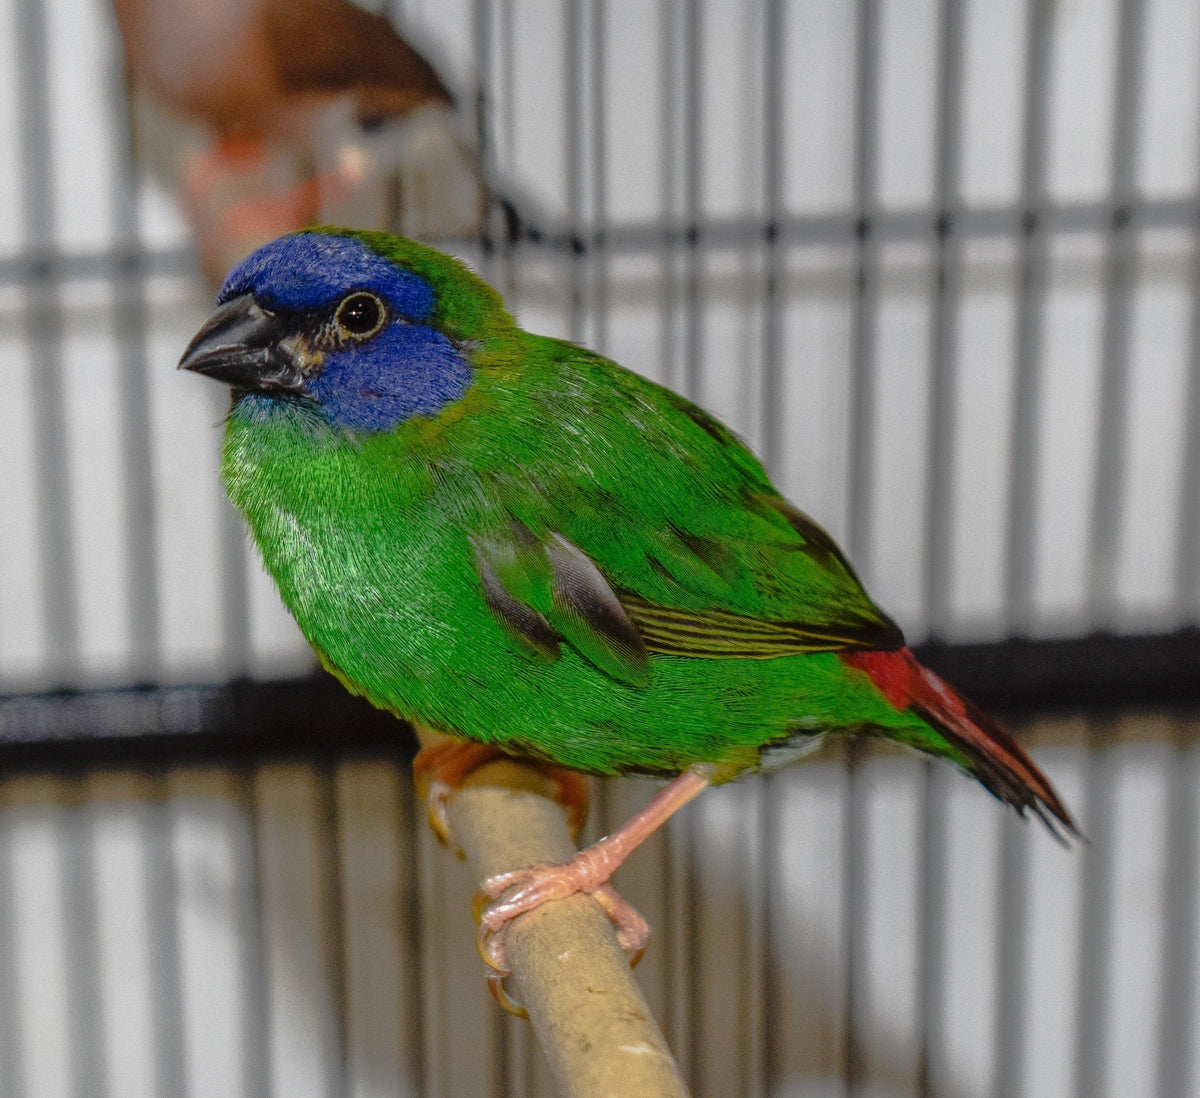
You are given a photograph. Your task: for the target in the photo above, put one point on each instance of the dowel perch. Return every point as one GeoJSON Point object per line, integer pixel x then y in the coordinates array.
{"type": "Point", "coordinates": [571, 974]}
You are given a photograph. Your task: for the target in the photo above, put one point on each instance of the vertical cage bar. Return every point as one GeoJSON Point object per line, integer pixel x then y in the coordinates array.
{"type": "Point", "coordinates": [165, 965]}
{"type": "Point", "coordinates": [682, 1021]}
{"type": "Point", "coordinates": [512, 1073]}
{"type": "Point", "coordinates": [1187, 550]}
{"type": "Point", "coordinates": [598, 157]}
{"type": "Point", "coordinates": [434, 1027]}
{"type": "Point", "coordinates": [85, 1003]}
{"type": "Point", "coordinates": [235, 591]}
{"type": "Point", "coordinates": [1180, 953]}
{"type": "Point", "coordinates": [132, 323]}
{"type": "Point", "coordinates": [693, 357]}
{"type": "Point", "coordinates": [670, 184]}
{"type": "Point", "coordinates": [504, 83]}
{"type": "Point", "coordinates": [482, 40]}
{"type": "Point", "coordinates": [412, 922]}
{"type": "Point", "coordinates": [866, 301]}
{"type": "Point", "coordinates": [768, 839]}
{"type": "Point", "coordinates": [1012, 958]}
{"type": "Point", "coordinates": [752, 876]}
{"type": "Point", "coordinates": [1107, 491]}
{"type": "Point", "coordinates": [333, 920]}
{"type": "Point", "coordinates": [771, 414]}
{"type": "Point", "coordinates": [1095, 929]}
{"type": "Point", "coordinates": [11, 1081]}
{"type": "Point", "coordinates": [932, 922]}
{"type": "Point", "coordinates": [43, 319]}
{"type": "Point", "coordinates": [574, 117]}
{"type": "Point", "coordinates": [854, 915]}
{"type": "Point", "coordinates": [1021, 549]}
{"type": "Point", "coordinates": [256, 1060]}
{"type": "Point", "coordinates": [948, 275]}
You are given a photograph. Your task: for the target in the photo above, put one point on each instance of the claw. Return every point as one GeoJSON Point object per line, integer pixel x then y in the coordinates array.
{"type": "Point", "coordinates": [495, 983]}
{"type": "Point", "coordinates": [489, 944]}
{"type": "Point", "coordinates": [439, 770]}
{"type": "Point", "coordinates": [633, 932]}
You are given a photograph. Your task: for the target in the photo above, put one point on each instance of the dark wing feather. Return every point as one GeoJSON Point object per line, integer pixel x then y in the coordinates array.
{"type": "Point", "coordinates": [547, 591]}
{"type": "Point", "coordinates": [603, 630]}
{"type": "Point", "coordinates": [526, 627]}
{"type": "Point", "coordinates": [718, 634]}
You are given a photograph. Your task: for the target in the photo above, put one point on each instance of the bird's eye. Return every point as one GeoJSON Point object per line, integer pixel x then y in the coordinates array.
{"type": "Point", "coordinates": [360, 315]}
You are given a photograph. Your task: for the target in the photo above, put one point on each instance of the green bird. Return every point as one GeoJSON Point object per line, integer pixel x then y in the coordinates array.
{"type": "Point", "coordinates": [512, 540]}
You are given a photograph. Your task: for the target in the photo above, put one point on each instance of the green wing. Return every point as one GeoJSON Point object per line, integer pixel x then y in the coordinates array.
{"type": "Point", "coordinates": [551, 591]}
{"type": "Point", "coordinates": [652, 529]}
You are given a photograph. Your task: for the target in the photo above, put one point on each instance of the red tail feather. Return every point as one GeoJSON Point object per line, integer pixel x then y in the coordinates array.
{"type": "Point", "coordinates": [995, 758]}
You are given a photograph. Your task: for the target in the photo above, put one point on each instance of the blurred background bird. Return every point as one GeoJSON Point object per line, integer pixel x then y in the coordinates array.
{"type": "Point", "coordinates": [268, 115]}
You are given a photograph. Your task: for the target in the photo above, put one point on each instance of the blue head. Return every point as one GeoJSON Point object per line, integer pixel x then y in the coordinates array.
{"type": "Point", "coordinates": [324, 318]}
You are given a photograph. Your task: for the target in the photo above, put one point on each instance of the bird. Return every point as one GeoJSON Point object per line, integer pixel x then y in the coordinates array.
{"type": "Point", "coordinates": [266, 115]}
{"type": "Point", "coordinates": [512, 540]}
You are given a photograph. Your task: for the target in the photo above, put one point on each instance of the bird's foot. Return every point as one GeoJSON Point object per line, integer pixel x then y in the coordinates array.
{"type": "Point", "coordinates": [505, 896]}
{"type": "Point", "coordinates": [440, 769]}
{"type": "Point", "coordinates": [633, 932]}
{"type": "Point", "coordinates": [589, 871]}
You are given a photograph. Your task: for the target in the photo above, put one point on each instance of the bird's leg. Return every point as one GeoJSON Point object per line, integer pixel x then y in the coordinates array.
{"type": "Point", "coordinates": [439, 770]}
{"type": "Point", "coordinates": [589, 871]}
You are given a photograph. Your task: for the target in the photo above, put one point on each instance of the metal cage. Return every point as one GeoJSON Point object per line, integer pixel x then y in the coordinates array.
{"type": "Point", "coordinates": [937, 262]}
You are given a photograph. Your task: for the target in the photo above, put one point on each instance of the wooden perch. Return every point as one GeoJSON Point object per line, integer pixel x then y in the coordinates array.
{"type": "Point", "coordinates": [568, 969]}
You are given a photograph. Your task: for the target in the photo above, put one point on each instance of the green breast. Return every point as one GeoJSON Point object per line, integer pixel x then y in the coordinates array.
{"type": "Point", "coordinates": [369, 543]}
{"type": "Point", "coordinates": [360, 547]}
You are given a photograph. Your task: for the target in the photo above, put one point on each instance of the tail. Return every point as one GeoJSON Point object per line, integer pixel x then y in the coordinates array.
{"type": "Point", "coordinates": [992, 755]}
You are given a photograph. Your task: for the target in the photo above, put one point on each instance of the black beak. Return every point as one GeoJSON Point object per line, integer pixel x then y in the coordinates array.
{"type": "Point", "coordinates": [240, 345]}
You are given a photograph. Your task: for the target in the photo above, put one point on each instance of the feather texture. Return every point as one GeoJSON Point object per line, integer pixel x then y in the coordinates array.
{"type": "Point", "coordinates": [557, 555]}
